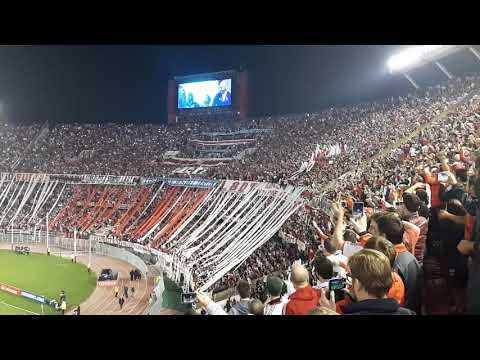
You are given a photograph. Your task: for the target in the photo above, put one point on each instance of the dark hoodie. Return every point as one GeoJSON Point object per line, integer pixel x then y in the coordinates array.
{"type": "Point", "coordinates": [375, 307]}
{"type": "Point", "coordinates": [302, 301]}
{"type": "Point", "coordinates": [472, 206]}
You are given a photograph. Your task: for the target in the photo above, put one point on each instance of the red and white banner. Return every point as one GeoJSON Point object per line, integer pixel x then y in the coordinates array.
{"type": "Point", "coordinates": [319, 154]}
{"type": "Point", "coordinates": [247, 186]}
{"type": "Point", "coordinates": [201, 161]}
{"type": "Point", "coordinates": [222, 142]}
{"type": "Point", "coordinates": [239, 186]}
{"type": "Point", "coordinates": [189, 170]}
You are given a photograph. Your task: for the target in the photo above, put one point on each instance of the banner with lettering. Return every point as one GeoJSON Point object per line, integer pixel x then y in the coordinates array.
{"type": "Point", "coordinates": [198, 183]}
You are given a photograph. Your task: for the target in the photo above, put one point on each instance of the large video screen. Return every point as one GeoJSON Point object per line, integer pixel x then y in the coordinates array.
{"type": "Point", "coordinates": [205, 94]}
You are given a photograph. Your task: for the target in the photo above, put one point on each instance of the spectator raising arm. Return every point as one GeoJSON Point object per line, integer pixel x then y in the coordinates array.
{"type": "Point", "coordinates": [209, 305]}
{"type": "Point", "coordinates": [443, 162]}
{"type": "Point", "coordinates": [338, 213]}
{"type": "Point", "coordinates": [412, 189]}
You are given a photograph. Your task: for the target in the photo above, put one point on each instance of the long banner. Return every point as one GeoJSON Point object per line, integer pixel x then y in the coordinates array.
{"type": "Point", "coordinates": [74, 179]}
{"type": "Point", "coordinates": [198, 161]}
{"type": "Point", "coordinates": [198, 183]}
{"type": "Point", "coordinates": [247, 186]}
{"type": "Point", "coordinates": [110, 179]}
{"type": "Point", "coordinates": [26, 294]}
{"type": "Point", "coordinates": [222, 142]}
{"type": "Point", "coordinates": [240, 132]}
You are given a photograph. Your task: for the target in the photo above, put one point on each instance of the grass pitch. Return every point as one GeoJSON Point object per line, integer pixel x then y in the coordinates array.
{"type": "Point", "coordinates": [42, 275]}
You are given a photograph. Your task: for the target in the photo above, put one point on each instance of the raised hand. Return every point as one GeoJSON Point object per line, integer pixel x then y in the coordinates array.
{"type": "Point", "coordinates": [338, 210]}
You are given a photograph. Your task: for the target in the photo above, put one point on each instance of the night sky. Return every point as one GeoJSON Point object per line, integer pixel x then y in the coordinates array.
{"type": "Point", "coordinates": [129, 83]}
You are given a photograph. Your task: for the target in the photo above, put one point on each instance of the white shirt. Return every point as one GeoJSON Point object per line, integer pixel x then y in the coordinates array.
{"type": "Point", "coordinates": [290, 288]}
{"type": "Point", "coordinates": [277, 308]}
{"type": "Point", "coordinates": [336, 259]}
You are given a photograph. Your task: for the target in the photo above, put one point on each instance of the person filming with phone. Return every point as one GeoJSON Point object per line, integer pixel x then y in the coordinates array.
{"type": "Point", "coordinates": [371, 276]}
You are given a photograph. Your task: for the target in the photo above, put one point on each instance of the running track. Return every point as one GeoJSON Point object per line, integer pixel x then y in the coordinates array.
{"type": "Point", "coordinates": [103, 300]}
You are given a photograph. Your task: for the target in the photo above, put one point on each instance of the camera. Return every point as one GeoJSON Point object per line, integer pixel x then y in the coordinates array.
{"type": "Point", "coordinates": [188, 298]}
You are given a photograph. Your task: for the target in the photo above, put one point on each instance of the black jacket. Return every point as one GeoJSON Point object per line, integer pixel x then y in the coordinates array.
{"type": "Point", "coordinates": [376, 307]}
{"type": "Point", "coordinates": [472, 205]}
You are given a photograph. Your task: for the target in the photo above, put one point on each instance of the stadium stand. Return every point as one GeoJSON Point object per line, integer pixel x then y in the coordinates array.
{"type": "Point", "coordinates": [411, 161]}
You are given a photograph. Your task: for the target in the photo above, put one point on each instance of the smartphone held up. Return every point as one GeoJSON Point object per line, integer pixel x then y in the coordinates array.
{"type": "Point", "coordinates": [357, 211]}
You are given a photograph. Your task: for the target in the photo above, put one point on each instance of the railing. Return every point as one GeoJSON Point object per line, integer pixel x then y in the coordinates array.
{"type": "Point", "coordinates": [54, 242]}
{"type": "Point", "coordinates": [57, 243]}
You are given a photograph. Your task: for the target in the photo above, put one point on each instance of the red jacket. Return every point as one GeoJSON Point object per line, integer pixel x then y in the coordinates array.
{"type": "Point", "coordinates": [302, 301]}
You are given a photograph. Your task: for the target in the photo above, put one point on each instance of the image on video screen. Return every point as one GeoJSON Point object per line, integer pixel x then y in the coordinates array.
{"type": "Point", "coordinates": [204, 94]}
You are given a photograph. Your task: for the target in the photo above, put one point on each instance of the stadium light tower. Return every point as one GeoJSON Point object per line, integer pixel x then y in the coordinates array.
{"type": "Point", "coordinates": [418, 56]}
{"type": "Point", "coordinates": [474, 52]}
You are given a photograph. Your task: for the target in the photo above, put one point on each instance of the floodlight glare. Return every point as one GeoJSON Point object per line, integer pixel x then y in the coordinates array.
{"type": "Point", "coordinates": [414, 55]}
{"type": "Point", "coordinates": [404, 59]}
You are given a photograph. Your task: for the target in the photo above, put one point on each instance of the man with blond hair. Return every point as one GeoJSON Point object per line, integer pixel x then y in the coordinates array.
{"type": "Point", "coordinates": [371, 280]}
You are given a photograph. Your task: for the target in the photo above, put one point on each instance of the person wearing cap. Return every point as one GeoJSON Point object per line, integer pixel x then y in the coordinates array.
{"type": "Point", "coordinates": [275, 303]}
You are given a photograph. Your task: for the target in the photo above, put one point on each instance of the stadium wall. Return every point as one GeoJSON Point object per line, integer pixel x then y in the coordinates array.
{"type": "Point", "coordinates": [121, 254]}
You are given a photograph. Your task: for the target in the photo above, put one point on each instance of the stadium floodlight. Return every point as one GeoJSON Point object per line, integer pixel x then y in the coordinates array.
{"type": "Point", "coordinates": [413, 56]}
{"type": "Point", "coordinates": [417, 56]}
{"type": "Point", "coordinates": [474, 52]}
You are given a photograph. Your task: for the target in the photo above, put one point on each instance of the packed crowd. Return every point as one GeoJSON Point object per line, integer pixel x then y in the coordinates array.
{"type": "Point", "coordinates": [415, 195]}
{"type": "Point", "coordinates": [419, 205]}
{"type": "Point", "coordinates": [362, 131]}
{"type": "Point", "coordinates": [388, 171]}
{"type": "Point", "coordinates": [418, 255]}
{"type": "Point", "coordinates": [274, 256]}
